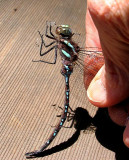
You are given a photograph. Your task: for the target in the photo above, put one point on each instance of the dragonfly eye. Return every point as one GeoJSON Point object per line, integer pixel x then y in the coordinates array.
{"type": "Point", "coordinates": [64, 31]}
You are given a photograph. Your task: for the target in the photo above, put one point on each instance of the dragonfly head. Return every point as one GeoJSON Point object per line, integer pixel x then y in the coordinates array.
{"type": "Point", "coordinates": [64, 31]}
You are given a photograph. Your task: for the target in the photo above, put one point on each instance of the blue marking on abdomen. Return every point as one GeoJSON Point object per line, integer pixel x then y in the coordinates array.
{"type": "Point", "coordinates": [66, 106]}
{"type": "Point", "coordinates": [67, 93]}
{"type": "Point", "coordinates": [55, 133]}
{"type": "Point", "coordinates": [61, 124]}
{"type": "Point", "coordinates": [48, 141]}
{"type": "Point", "coordinates": [66, 79]}
{"type": "Point", "coordinates": [65, 110]}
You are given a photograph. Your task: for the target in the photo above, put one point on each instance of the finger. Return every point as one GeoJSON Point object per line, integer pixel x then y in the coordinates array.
{"type": "Point", "coordinates": [107, 91]}
{"type": "Point", "coordinates": [110, 85]}
{"type": "Point", "coordinates": [120, 115]}
{"type": "Point", "coordinates": [120, 112]}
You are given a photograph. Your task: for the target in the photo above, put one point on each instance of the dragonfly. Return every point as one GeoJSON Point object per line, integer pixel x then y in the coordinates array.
{"type": "Point", "coordinates": [69, 52]}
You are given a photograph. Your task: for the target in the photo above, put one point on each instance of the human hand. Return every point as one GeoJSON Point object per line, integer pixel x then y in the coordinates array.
{"type": "Point", "coordinates": [110, 87]}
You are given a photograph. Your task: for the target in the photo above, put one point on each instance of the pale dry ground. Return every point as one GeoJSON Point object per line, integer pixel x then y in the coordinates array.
{"type": "Point", "coordinates": [29, 89]}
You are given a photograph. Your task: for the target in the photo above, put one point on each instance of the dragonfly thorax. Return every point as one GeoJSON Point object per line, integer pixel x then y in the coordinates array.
{"type": "Point", "coordinates": [64, 31]}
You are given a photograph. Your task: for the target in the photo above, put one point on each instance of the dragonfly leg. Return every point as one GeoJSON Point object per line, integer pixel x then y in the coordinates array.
{"type": "Point", "coordinates": [58, 115]}
{"type": "Point", "coordinates": [71, 109]}
{"type": "Point", "coordinates": [69, 113]}
{"type": "Point", "coordinates": [68, 119]}
{"type": "Point", "coordinates": [50, 30]}
{"type": "Point", "coordinates": [62, 126]}
{"type": "Point", "coordinates": [43, 42]}
{"type": "Point", "coordinates": [72, 123]}
{"type": "Point", "coordinates": [42, 54]}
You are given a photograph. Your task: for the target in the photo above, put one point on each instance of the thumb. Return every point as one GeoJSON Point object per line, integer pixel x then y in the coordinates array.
{"type": "Point", "coordinates": [111, 84]}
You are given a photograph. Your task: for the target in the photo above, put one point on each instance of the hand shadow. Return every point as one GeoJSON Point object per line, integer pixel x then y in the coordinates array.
{"type": "Point", "coordinates": [110, 135]}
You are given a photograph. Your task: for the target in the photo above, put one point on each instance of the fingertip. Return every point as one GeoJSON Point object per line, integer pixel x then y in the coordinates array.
{"type": "Point", "coordinates": [96, 91]}
{"type": "Point", "coordinates": [107, 89]}
{"type": "Point", "coordinates": [126, 134]}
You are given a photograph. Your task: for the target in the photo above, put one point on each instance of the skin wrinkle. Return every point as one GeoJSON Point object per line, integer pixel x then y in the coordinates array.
{"type": "Point", "coordinates": [118, 38]}
{"type": "Point", "coordinates": [112, 17]}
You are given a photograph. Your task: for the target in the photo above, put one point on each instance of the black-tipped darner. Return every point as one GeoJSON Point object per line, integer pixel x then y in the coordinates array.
{"type": "Point", "coordinates": [69, 51]}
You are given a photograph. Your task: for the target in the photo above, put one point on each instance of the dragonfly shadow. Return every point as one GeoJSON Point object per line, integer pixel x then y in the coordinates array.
{"type": "Point", "coordinates": [110, 135]}
{"type": "Point", "coordinates": [81, 121]}
{"type": "Point", "coordinates": [107, 133]}
{"type": "Point", "coordinates": [59, 147]}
